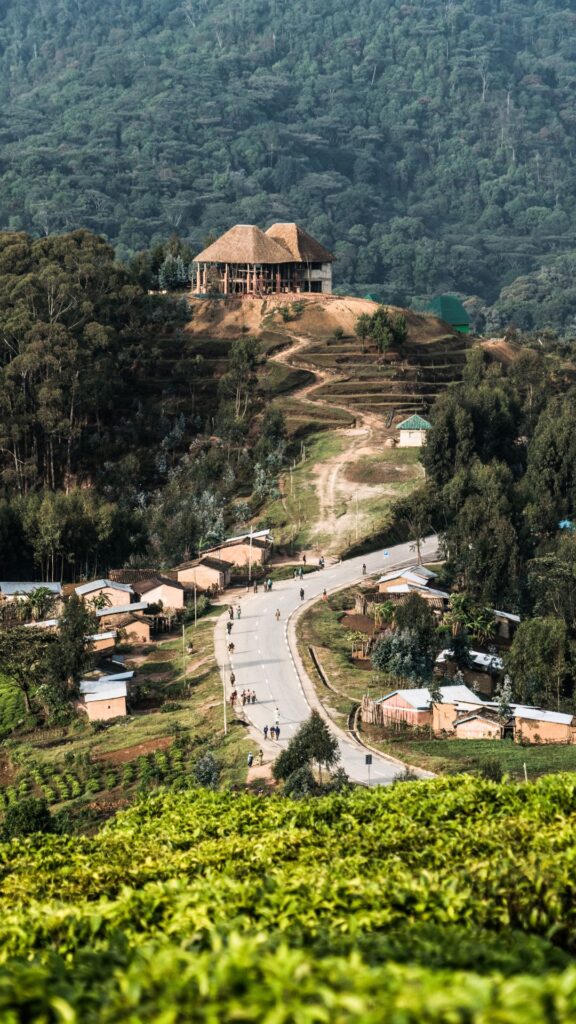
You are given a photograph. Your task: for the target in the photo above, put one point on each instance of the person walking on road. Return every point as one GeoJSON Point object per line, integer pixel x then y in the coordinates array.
{"type": "Point", "coordinates": [255, 587]}
{"type": "Point", "coordinates": [277, 730]}
{"type": "Point", "coordinates": [324, 595]}
{"type": "Point", "coordinates": [229, 627]}
{"type": "Point", "coordinates": [232, 679]}
{"type": "Point", "coordinates": [253, 697]}
{"type": "Point", "coordinates": [265, 731]}
{"type": "Point", "coordinates": [364, 569]}
{"type": "Point", "coordinates": [238, 611]}
{"type": "Point", "coordinates": [301, 573]}
{"type": "Point", "coordinates": [301, 593]}
{"type": "Point", "coordinates": [269, 583]}
{"type": "Point", "coordinates": [233, 697]}
{"type": "Point", "coordinates": [261, 756]}
{"type": "Point", "coordinates": [250, 759]}
{"type": "Point", "coordinates": [304, 559]}
{"type": "Point", "coordinates": [231, 648]}
{"type": "Point", "coordinates": [230, 612]}
{"type": "Point", "coordinates": [277, 615]}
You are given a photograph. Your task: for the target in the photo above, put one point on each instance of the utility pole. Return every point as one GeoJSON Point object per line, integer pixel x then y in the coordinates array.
{"type": "Point", "coordinates": [184, 651]}
{"type": "Point", "coordinates": [356, 515]}
{"type": "Point", "coordinates": [250, 557]}
{"type": "Point", "coordinates": [195, 606]}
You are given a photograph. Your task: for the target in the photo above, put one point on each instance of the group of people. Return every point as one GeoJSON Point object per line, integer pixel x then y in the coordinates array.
{"type": "Point", "coordinates": [251, 757]}
{"type": "Point", "coordinates": [273, 731]}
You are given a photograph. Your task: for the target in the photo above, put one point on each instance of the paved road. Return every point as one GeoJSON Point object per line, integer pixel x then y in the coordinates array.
{"type": "Point", "coordinates": [265, 658]}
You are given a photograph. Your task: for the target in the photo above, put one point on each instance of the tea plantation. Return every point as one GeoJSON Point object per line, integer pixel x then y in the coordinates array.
{"type": "Point", "coordinates": [447, 901]}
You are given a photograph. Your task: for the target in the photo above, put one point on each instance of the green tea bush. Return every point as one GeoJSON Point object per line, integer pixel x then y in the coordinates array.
{"type": "Point", "coordinates": [433, 902]}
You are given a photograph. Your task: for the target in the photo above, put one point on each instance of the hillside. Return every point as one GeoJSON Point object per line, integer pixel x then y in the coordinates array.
{"type": "Point", "coordinates": [429, 145]}
{"type": "Point", "coordinates": [442, 901]}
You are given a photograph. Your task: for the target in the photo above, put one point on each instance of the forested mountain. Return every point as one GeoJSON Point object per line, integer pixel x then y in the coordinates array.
{"type": "Point", "coordinates": [429, 143]}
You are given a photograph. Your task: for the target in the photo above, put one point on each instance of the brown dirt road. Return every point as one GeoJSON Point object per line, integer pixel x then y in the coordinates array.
{"type": "Point", "coordinates": [343, 503]}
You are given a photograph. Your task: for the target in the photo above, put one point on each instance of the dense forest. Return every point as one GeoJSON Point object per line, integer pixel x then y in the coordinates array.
{"type": "Point", "coordinates": [106, 411]}
{"type": "Point", "coordinates": [501, 491]}
{"type": "Point", "coordinates": [429, 144]}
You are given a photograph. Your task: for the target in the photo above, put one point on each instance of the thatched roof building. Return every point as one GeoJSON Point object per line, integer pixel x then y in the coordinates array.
{"type": "Point", "coordinates": [248, 261]}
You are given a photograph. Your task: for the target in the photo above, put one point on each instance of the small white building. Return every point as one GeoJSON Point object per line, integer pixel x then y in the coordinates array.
{"type": "Point", "coordinates": [413, 431]}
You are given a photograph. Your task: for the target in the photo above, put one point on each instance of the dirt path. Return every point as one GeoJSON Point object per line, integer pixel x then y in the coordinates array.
{"type": "Point", "coordinates": [342, 516]}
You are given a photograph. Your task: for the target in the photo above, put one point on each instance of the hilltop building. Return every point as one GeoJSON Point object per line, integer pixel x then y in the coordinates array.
{"type": "Point", "coordinates": [248, 261]}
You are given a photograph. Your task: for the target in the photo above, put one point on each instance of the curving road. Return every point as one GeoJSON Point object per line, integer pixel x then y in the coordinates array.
{"type": "Point", "coordinates": [266, 659]}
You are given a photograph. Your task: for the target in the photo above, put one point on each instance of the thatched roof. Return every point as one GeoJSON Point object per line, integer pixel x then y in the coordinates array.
{"type": "Point", "coordinates": [244, 243]}
{"type": "Point", "coordinates": [303, 247]}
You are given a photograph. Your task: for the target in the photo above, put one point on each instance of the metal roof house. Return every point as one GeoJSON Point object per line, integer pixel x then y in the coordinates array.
{"type": "Point", "coordinates": [248, 261]}
{"type": "Point", "coordinates": [412, 432]}
{"type": "Point", "coordinates": [10, 590]}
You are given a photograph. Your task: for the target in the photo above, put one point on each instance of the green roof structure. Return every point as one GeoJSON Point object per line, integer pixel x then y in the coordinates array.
{"type": "Point", "coordinates": [414, 422]}
{"type": "Point", "coordinates": [451, 310]}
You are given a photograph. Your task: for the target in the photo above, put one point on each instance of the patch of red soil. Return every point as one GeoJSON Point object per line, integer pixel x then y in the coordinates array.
{"type": "Point", "coordinates": [126, 754]}
{"type": "Point", "coordinates": [358, 623]}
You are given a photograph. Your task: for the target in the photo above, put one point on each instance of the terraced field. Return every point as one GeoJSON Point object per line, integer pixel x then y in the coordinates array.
{"type": "Point", "coordinates": [393, 386]}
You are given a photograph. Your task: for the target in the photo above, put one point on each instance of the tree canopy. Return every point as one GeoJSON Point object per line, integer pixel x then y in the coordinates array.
{"type": "Point", "coordinates": [429, 145]}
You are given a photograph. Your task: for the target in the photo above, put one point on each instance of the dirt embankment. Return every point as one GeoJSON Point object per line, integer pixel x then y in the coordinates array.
{"type": "Point", "coordinates": [320, 316]}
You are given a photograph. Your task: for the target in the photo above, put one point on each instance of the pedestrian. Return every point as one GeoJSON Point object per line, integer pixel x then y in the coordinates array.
{"type": "Point", "coordinates": [301, 573]}
{"type": "Point", "coordinates": [230, 612]}
{"type": "Point", "coordinates": [229, 627]}
{"type": "Point", "coordinates": [272, 732]}
{"type": "Point", "coordinates": [301, 593]}
{"type": "Point", "coordinates": [243, 697]}
{"type": "Point", "coordinates": [255, 587]}
{"type": "Point", "coordinates": [269, 583]}
{"type": "Point", "coordinates": [364, 569]}
{"type": "Point", "coordinates": [253, 698]}
{"type": "Point", "coordinates": [248, 586]}
{"type": "Point", "coordinates": [233, 696]}
{"type": "Point", "coordinates": [232, 679]}
{"type": "Point", "coordinates": [265, 731]}
{"type": "Point", "coordinates": [261, 755]}
{"type": "Point", "coordinates": [250, 759]}
{"type": "Point", "coordinates": [304, 559]}
{"type": "Point", "coordinates": [277, 615]}
{"type": "Point", "coordinates": [238, 611]}
{"type": "Point", "coordinates": [230, 648]}
{"type": "Point", "coordinates": [321, 562]}
{"type": "Point", "coordinates": [277, 730]}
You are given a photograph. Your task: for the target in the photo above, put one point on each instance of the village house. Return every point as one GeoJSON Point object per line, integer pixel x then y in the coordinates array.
{"type": "Point", "coordinates": [108, 617]}
{"type": "Point", "coordinates": [417, 575]}
{"type": "Point", "coordinates": [248, 261]}
{"type": "Point", "coordinates": [206, 573]}
{"type": "Point", "coordinates": [414, 706]}
{"type": "Point", "coordinates": [412, 433]}
{"type": "Point", "coordinates": [506, 624]}
{"type": "Point", "coordinates": [534, 725]}
{"type": "Point", "coordinates": [450, 309]}
{"type": "Point", "coordinates": [247, 549]}
{"type": "Point", "coordinates": [105, 697]}
{"type": "Point", "coordinates": [107, 591]}
{"type": "Point", "coordinates": [483, 724]}
{"type": "Point", "coordinates": [103, 641]}
{"type": "Point", "coordinates": [136, 628]}
{"type": "Point", "coordinates": [161, 590]}
{"type": "Point", "coordinates": [483, 672]}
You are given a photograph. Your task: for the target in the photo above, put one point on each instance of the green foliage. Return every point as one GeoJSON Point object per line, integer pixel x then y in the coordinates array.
{"type": "Point", "coordinates": [404, 656]}
{"type": "Point", "coordinates": [26, 816]}
{"type": "Point", "coordinates": [312, 743]}
{"type": "Point", "coordinates": [207, 771]}
{"type": "Point", "coordinates": [382, 329]}
{"type": "Point", "coordinates": [411, 903]}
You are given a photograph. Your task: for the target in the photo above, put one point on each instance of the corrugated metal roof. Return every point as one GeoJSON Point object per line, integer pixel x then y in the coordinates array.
{"type": "Point", "coordinates": [539, 715]}
{"type": "Point", "coordinates": [414, 422]}
{"type": "Point", "coordinates": [420, 698]}
{"type": "Point", "coordinates": [88, 588]}
{"type": "Point", "coordinates": [479, 659]}
{"type": "Point", "coordinates": [121, 609]}
{"type": "Point", "coordinates": [109, 693]}
{"type": "Point", "coordinates": [411, 571]}
{"type": "Point", "coordinates": [10, 589]}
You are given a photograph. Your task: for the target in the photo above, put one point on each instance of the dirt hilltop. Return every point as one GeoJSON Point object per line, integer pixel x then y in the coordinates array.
{"type": "Point", "coordinates": [310, 316]}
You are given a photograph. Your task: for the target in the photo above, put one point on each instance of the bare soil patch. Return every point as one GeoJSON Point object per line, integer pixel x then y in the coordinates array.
{"type": "Point", "coordinates": [126, 754]}
{"type": "Point", "coordinates": [358, 623]}
{"type": "Point", "coordinates": [376, 473]}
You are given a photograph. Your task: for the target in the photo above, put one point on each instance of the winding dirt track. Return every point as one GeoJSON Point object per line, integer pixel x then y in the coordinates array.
{"type": "Point", "coordinates": [366, 438]}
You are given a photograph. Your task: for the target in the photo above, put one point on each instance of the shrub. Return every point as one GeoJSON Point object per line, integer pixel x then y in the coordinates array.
{"type": "Point", "coordinates": [171, 705]}
{"type": "Point", "coordinates": [25, 817]}
{"type": "Point", "coordinates": [207, 771]}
